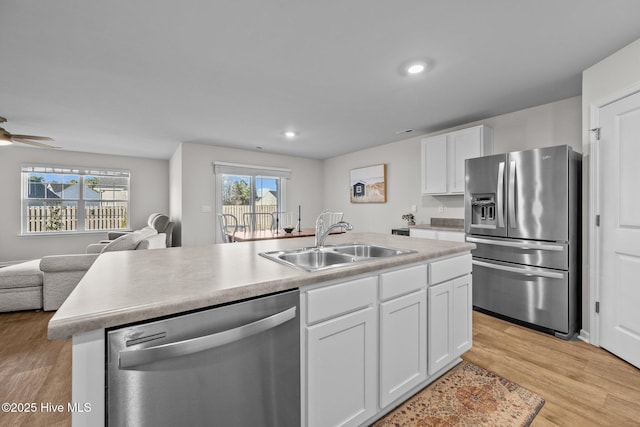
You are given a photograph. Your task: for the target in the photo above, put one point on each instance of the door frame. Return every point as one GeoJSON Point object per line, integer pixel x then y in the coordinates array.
{"type": "Point", "coordinates": [595, 253]}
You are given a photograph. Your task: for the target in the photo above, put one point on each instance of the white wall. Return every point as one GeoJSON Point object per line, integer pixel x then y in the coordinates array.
{"type": "Point", "coordinates": [608, 77]}
{"type": "Point", "coordinates": [175, 194]}
{"type": "Point", "coordinates": [149, 183]}
{"type": "Point", "coordinates": [197, 186]}
{"type": "Point", "coordinates": [550, 124]}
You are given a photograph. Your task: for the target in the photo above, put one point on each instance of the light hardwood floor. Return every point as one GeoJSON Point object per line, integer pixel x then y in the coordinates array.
{"type": "Point", "coordinates": [581, 384]}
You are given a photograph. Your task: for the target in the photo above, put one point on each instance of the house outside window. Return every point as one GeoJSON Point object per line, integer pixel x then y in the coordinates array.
{"type": "Point", "coordinates": [59, 199]}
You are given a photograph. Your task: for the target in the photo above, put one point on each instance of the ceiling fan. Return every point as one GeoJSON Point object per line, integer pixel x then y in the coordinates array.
{"type": "Point", "coordinates": [7, 138]}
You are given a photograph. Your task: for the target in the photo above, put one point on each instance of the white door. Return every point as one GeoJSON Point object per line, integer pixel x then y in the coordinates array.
{"type": "Point", "coordinates": [620, 228]}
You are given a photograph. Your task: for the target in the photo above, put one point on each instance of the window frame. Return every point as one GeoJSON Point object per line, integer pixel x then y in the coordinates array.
{"type": "Point", "coordinates": [82, 173]}
{"type": "Point", "coordinates": [223, 168]}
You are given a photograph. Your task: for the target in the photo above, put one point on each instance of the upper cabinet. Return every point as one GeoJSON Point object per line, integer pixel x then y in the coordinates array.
{"type": "Point", "coordinates": [443, 158]}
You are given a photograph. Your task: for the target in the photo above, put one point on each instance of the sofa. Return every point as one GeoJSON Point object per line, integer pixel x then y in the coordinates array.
{"type": "Point", "coordinates": [61, 273]}
{"type": "Point", "coordinates": [21, 286]}
{"type": "Point", "coordinates": [160, 222]}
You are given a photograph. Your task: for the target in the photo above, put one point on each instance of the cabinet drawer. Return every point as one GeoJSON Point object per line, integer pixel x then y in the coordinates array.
{"type": "Point", "coordinates": [423, 233]}
{"type": "Point", "coordinates": [334, 300]}
{"type": "Point", "coordinates": [446, 269]}
{"type": "Point", "coordinates": [454, 236]}
{"type": "Point", "coordinates": [403, 281]}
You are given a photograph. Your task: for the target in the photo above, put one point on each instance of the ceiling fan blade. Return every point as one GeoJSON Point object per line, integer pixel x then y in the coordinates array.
{"type": "Point", "coordinates": [37, 138]}
{"type": "Point", "coordinates": [29, 142]}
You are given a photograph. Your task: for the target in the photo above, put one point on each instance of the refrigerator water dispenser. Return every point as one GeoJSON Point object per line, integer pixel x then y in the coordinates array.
{"type": "Point", "coordinates": [483, 209]}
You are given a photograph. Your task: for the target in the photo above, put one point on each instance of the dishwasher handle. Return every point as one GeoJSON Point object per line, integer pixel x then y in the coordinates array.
{"type": "Point", "coordinates": [131, 358]}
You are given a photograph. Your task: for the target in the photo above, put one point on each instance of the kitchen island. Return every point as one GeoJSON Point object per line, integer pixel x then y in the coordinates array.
{"type": "Point", "coordinates": [128, 287]}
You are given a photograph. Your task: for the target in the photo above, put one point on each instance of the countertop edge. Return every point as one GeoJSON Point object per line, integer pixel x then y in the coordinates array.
{"type": "Point", "coordinates": [62, 327]}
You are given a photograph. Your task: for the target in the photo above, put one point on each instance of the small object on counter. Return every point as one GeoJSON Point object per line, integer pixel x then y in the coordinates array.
{"type": "Point", "coordinates": [411, 220]}
{"type": "Point", "coordinates": [288, 229]}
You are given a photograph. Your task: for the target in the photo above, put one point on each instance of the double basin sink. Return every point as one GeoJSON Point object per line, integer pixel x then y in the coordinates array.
{"type": "Point", "coordinates": [321, 258]}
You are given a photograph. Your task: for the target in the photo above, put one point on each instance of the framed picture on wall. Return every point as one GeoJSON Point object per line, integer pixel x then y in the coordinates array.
{"type": "Point", "coordinates": [369, 184]}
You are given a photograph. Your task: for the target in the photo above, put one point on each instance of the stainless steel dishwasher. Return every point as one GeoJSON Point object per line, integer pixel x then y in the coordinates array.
{"type": "Point", "coordinates": [234, 365]}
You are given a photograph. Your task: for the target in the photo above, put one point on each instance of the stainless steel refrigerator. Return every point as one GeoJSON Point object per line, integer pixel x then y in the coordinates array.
{"type": "Point", "coordinates": [522, 210]}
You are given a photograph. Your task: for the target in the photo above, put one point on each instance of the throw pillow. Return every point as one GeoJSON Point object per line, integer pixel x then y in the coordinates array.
{"type": "Point", "coordinates": [125, 242]}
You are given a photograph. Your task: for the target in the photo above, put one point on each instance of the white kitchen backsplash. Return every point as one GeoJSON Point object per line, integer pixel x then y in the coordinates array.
{"type": "Point", "coordinates": [440, 207]}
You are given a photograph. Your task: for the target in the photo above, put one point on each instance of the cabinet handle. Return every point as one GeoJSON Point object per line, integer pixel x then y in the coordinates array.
{"type": "Point", "coordinates": [519, 245]}
{"type": "Point", "coordinates": [500, 195]}
{"type": "Point", "coordinates": [519, 270]}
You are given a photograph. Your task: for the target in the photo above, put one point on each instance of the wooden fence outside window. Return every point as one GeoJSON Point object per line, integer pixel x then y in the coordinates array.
{"type": "Point", "coordinates": [261, 222]}
{"type": "Point", "coordinates": [65, 218]}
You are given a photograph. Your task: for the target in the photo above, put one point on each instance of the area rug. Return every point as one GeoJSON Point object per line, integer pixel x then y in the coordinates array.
{"type": "Point", "coordinates": [467, 395]}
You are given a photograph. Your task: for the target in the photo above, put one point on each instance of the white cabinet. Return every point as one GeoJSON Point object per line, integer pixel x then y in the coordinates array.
{"type": "Point", "coordinates": [341, 372]}
{"type": "Point", "coordinates": [450, 332]}
{"type": "Point", "coordinates": [425, 233]}
{"type": "Point", "coordinates": [443, 158]}
{"type": "Point", "coordinates": [434, 165]}
{"type": "Point", "coordinates": [449, 311]}
{"type": "Point", "coordinates": [341, 353]}
{"type": "Point", "coordinates": [440, 326]}
{"type": "Point", "coordinates": [403, 355]}
{"type": "Point", "coordinates": [368, 343]}
{"type": "Point", "coordinates": [462, 308]}
{"type": "Point", "coordinates": [403, 332]}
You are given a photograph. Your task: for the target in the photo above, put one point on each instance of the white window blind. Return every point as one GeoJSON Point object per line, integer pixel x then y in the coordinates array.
{"type": "Point", "coordinates": [240, 169]}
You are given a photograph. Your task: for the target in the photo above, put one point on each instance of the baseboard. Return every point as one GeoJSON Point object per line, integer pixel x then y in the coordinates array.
{"type": "Point", "coordinates": [584, 336]}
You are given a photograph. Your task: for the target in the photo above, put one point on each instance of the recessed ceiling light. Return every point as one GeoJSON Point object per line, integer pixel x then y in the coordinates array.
{"type": "Point", "coordinates": [289, 134]}
{"type": "Point", "coordinates": [415, 67]}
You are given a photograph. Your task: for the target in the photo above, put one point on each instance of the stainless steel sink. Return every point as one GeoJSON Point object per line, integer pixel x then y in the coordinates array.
{"type": "Point", "coordinates": [368, 251]}
{"type": "Point", "coordinates": [314, 259]}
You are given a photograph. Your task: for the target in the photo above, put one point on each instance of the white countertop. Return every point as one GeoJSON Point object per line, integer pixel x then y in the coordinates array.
{"type": "Point", "coordinates": [131, 286]}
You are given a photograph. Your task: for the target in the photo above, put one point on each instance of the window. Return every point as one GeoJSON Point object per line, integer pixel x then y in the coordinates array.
{"type": "Point", "coordinates": [244, 190]}
{"type": "Point", "coordinates": [69, 199]}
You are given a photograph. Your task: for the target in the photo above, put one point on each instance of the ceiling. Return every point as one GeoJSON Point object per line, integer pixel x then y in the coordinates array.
{"type": "Point", "coordinates": [139, 77]}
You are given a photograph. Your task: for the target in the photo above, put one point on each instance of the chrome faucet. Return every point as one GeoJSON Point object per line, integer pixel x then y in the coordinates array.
{"type": "Point", "coordinates": [322, 233]}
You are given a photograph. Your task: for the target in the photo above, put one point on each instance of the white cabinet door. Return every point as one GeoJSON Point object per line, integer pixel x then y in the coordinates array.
{"type": "Point", "coordinates": [465, 144]}
{"type": "Point", "coordinates": [342, 370]}
{"type": "Point", "coordinates": [403, 355]}
{"type": "Point", "coordinates": [443, 158]}
{"type": "Point", "coordinates": [440, 346]}
{"type": "Point", "coordinates": [450, 327]}
{"type": "Point", "coordinates": [462, 307]}
{"type": "Point", "coordinates": [434, 165]}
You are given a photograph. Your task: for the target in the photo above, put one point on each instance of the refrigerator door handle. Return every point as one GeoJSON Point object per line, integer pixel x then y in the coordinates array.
{"type": "Point", "coordinates": [520, 245]}
{"type": "Point", "coordinates": [512, 194]}
{"type": "Point", "coordinates": [130, 358]}
{"type": "Point", "coordinates": [500, 195]}
{"type": "Point", "coordinates": [519, 270]}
